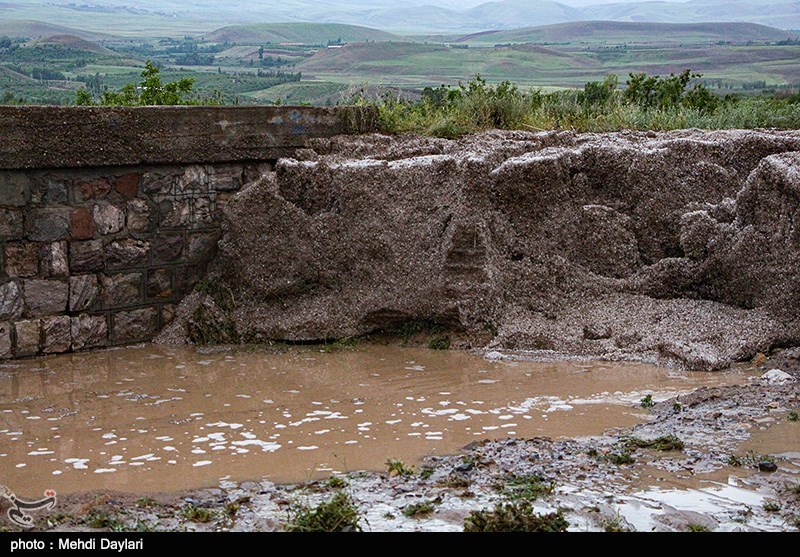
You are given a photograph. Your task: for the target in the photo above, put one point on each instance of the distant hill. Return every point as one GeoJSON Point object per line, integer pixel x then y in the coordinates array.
{"type": "Point", "coordinates": [306, 33]}
{"type": "Point", "coordinates": [37, 29]}
{"type": "Point", "coordinates": [76, 43]}
{"type": "Point", "coordinates": [775, 13]}
{"type": "Point", "coordinates": [618, 32]}
{"type": "Point", "coordinates": [517, 13]}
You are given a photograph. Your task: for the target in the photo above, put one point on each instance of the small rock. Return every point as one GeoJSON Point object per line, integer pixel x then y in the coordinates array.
{"type": "Point", "coordinates": [777, 376]}
{"type": "Point", "coordinates": [767, 466]}
{"type": "Point", "coordinates": [493, 356]}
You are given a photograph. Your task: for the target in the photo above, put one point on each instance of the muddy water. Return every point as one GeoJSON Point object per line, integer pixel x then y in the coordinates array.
{"type": "Point", "coordinates": [165, 418]}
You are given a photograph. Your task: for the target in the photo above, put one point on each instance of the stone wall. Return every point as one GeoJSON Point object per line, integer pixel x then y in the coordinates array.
{"type": "Point", "coordinates": [96, 250]}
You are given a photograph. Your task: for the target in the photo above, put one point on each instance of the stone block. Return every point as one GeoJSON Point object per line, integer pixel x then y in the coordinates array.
{"type": "Point", "coordinates": [56, 334]}
{"type": "Point", "coordinates": [108, 219]}
{"type": "Point", "coordinates": [202, 246]}
{"type": "Point", "coordinates": [11, 301]}
{"type": "Point", "coordinates": [47, 225]}
{"type": "Point", "coordinates": [15, 189]}
{"type": "Point", "coordinates": [125, 254]}
{"type": "Point", "coordinates": [11, 224]}
{"type": "Point", "coordinates": [203, 211]}
{"type": "Point", "coordinates": [176, 213]}
{"type": "Point", "coordinates": [167, 314]}
{"type": "Point", "coordinates": [120, 290]}
{"type": "Point", "coordinates": [54, 193]}
{"type": "Point", "coordinates": [83, 292]}
{"type": "Point", "coordinates": [53, 259]}
{"type": "Point", "coordinates": [194, 180]}
{"type": "Point", "coordinates": [82, 224]}
{"type": "Point", "coordinates": [159, 284]}
{"type": "Point", "coordinates": [45, 297]}
{"type": "Point", "coordinates": [93, 189]}
{"type": "Point", "coordinates": [139, 218]}
{"type": "Point", "coordinates": [166, 249]}
{"type": "Point", "coordinates": [135, 325]}
{"type": "Point", "coordinates": [22, 259]}
{"type": "Point", "coordinates": [153, 182]}
{"type": "Point", "coordinates": [86, 257]}
{"type": "Point", "coordinates": [128, 185]}
{"type": "Point", "coordinates": [89, 331]}
{"type": "Point", "coordinates": [6, 346]}
{"type": "Point", "coordinates": [28, 334]}
{"type": "Point", "coordinates": [226, 177]}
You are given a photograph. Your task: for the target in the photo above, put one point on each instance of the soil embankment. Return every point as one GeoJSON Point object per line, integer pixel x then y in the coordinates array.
{"type": "Point", "coordinates": [680, 248]}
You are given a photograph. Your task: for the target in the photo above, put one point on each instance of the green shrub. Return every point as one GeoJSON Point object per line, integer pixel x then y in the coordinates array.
{"type": "Point", "coordinates": [397, 467]}
{"type": "Point", "coordinates": [529, 486]}
{"type": "Point", "coordinates": [339, 514]}
{"type": "Point", "coordinates": [517, 516]}
{"type": "Point", "coordinates": [420, 509]}
{"type": "Point", "coordinates": [662, 443]}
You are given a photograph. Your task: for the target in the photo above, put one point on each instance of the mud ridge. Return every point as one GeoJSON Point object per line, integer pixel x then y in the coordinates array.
{"type": "Point", "coordinates": [679, 248]}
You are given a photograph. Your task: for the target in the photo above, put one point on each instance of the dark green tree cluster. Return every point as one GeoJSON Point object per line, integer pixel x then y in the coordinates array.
{"type": "Point", "coordinates": [652, 91]}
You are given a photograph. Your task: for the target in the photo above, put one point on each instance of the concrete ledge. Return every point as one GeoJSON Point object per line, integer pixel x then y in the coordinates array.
{"type": "Point", "coordinates": [65, 137]}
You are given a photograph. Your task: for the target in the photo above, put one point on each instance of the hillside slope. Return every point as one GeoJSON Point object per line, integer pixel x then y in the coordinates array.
{"type": "Point", "coordinates": [619, 32]}
{"type": "Point", "coordinates": [307, 33]}
{"type": "Point", "coordinates": [38, 29]}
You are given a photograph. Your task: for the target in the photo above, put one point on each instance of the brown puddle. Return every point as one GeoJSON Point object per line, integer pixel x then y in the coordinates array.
{"type": "Point", "coordinates": [169, 418]}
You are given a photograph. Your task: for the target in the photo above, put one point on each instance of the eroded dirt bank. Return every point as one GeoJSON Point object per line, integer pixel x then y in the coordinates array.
{"type": "Point", "coordinates": [680, 248]}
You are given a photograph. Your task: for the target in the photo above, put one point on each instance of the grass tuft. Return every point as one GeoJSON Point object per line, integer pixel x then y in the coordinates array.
{"type": "Point", "coordinates": [338, 514]}
{"type": "Point", "coordinates": [516, 516]}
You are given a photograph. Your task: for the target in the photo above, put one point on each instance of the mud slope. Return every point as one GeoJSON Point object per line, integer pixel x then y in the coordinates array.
{"type": "Point", "coordinates": [679, 247]}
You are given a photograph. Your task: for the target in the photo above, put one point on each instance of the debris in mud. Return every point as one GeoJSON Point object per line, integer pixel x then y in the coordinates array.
{"type": "Point", "coordinates": [672, 247]}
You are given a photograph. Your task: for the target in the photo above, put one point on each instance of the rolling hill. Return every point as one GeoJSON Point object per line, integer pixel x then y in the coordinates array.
{"type": "Point", "coordinates": [38, 29]}
{"type": "Point", "coordinates": [615, 33]}
{"type": "Point", "coordinates": [306, 33]}
{"type": "Point", "coordinates": [76, 43]}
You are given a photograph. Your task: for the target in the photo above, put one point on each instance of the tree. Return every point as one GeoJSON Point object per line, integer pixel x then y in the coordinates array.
{"type": "Point", "coordinates": [669, 92]}
{"type": "Point", "coordinates": [149, 92]}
